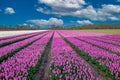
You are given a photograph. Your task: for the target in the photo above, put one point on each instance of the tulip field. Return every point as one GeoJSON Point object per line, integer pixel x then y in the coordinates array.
{"type": "Point", "coordinates": [60, 55]}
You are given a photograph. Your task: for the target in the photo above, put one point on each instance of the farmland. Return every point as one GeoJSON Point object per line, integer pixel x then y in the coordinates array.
{"type": "Point", "coordinates": [60, 55]}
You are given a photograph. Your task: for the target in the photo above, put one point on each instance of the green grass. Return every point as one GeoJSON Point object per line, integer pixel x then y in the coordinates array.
{"type": "Point", "coordinates": [109, 31]}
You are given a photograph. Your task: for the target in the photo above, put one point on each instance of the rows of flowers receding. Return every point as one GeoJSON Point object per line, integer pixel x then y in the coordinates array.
{"type": "Point", "coordinates": [105, 58]}
{"type": "Point", "coordinates": [114, 36]}
{"type": "Point", "coordinates": [6, 49]}
{"type": "Point", "coordinates": [105, 40]}
{"type": "Point", "coordinates": [66, 64]}
{"type": "Point", "coordinates": [17, 66]}
{"type": "Point", "coordinates": [87, 36]}
{"type": "Point", "coordinates": [14, 40]}
{"type": "Point", "coordinates": [101, 44]}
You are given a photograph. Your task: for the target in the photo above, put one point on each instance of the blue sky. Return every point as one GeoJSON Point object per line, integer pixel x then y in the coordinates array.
{"type": "Point", "coordinates": [59, 12]}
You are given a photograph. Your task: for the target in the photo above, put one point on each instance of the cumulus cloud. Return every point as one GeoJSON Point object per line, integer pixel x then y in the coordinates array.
{"type": "Point", "coordinates": [42, 22]}
{"type": "Point", "coordinates": [111, 12]}
{"type": "Point", "coordinates": [72, 4]}
{"type": "Point", "coordinates": [60, 7]}
{"type": "Point", "coordinates": [9, 10]}
{"type": "Point", "coordinates": [107, 12]}
{"type": "Point", "coordinates": [79, 8]}
{"type": "Point", "coordinates": [84, 22]}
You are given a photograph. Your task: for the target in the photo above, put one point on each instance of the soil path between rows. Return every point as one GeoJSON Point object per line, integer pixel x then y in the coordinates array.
{"type": "Point", "coordinates": [43, 73]}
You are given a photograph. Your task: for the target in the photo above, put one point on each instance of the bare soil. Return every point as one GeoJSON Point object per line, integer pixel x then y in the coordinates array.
{"type": "Point", "coordinates": [43, 73]}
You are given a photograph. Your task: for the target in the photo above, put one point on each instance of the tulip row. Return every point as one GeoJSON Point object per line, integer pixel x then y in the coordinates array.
{"type": "Point", "coordinates": [88, 37]}
{"type": "Point", "coordinates": [67, 65]}
{"type": "Point", "coordinates": [17, 39]}
{"type": "Point", "coordinates": [114, 36]}
{"type": "Point", "coordinates": [84, 36]}
{"type": "Point", "coordinates": [17, 66]}
{"type": "Point", "coordinates": [104, 43]}
{"type": "Point", "coordinates": [106, 46]}
{"type": "Point", "coordinates": [101, 39]}
{"type": "Point", "coordinates": [108, 62]}
{"type": "Point", "coordinates": [12, 47]}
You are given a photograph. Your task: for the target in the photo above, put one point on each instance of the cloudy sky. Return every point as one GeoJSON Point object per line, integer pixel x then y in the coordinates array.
{"type": "Point", "coordinates": [59, 12]}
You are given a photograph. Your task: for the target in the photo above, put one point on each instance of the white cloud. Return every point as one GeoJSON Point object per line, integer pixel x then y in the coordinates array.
{"type": "Point", "coordinates": [60, 7]}
{"type": "Point", "coordinates": [88, 12]}
{"type": "Point", "coordinates": [84, 22]}
{"type": "Point", "coordinates": [110, 8]}
{"type": "Point", "coordinates": [9, 10]}
{"type": "Point", "coordinates": [51, 21]}
{"type": "Point", "coordinates": [76, 8]}
{"type": "Point", "coordinates": [63, 3]}
{"type": "Point", "coordinates": [107, 12]}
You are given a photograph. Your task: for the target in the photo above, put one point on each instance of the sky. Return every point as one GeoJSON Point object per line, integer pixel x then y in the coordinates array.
{"type": "Point", "coordinates": [45, 13]}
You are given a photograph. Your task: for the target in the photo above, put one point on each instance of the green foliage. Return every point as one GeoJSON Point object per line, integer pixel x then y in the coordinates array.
{"type": "Point", "coordinates": [80, 79]}
{"type": "Point", "coordinates": [60, 67]}
{"type": "Point", "coordinates": [55, 77]}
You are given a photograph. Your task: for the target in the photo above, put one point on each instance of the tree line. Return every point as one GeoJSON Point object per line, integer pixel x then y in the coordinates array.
{"type": "Point", "coordinates": [27, 27]}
